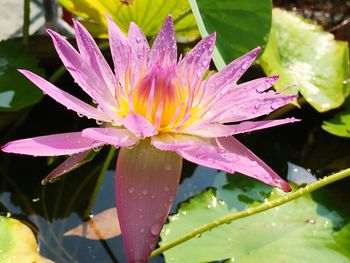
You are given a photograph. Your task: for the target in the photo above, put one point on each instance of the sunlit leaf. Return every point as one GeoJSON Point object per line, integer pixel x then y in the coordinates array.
{"type": "Point", "coordinates": [101, 226]}
{"type": "Point", "coordinates": [16, 92]}
{"type": "Point", "coordinates": [148, 14]}
{"type": "Point", "coordinates": [309, 229]}
{"type": "Point", "coordinates": [303, 54]}
{"type": "Point", "coordinates": [18, 243]}
{"type": "Point", "coordinates": [240, 25]}
{"type": "Point", "coordinates": [340, 123]}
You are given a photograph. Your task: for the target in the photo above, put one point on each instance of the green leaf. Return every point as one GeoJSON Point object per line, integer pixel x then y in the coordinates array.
{"type": "Point", "coordinates": [240, 25]}
{"type": "Point", "coordinates": [308, 229]}
{"type": "Point", "coordinates": [303, 54]}
{"type": "Point", "coordinates": [17, 242]}
{"type": "Point", "coordinates": [148, 14]}
{"type": "Point", "coordinates": [340, 123]}
{"type": "Point", "coordinates": [16, 92]}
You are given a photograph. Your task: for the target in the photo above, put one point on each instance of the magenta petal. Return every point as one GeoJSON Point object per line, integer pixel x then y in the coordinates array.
{"type": "Point", "coordinates": [66, 166]}
{"type": "Point", "coordinates": [170, 142]}
{"type": "Point", "coordinates": [114, 136]}
{"type": "Point", "coordinates": [65, 98]}
{"type": "Point", "coordinates": [197, 61]}
{"type": "Point", "coordinates": [90, 52]}
{"type": "Point", "coordinates": [164, 46]}
{"type": "Point", "coordinates": [232, 72]}
{"type": "Point", "coordinates": [252, 168]}
{"type": "Point", "coordinates": [140, 48]}
{"type": "Point", "coordinates": [52, 145]}
{"type": "Point", "coordinates": [138, 125]}
{"type": "Point", "coordinates": [146, 183]}
{"type": "Point", "coordinates": [120, 49]}
{"type": "Point", "coordinates": [84, 75]}
{"type": "Point", "coordinates": [220, 130]}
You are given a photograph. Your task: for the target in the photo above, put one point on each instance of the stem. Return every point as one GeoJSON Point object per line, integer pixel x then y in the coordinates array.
{"type": "Point", "coordinates": [99, 182]}
{"type": "Point", "coordinates": [182, 16]}
{"type": "Point", "coordinates": [26, 20]}
{"type": "Point", "coordinates": [251, 211]}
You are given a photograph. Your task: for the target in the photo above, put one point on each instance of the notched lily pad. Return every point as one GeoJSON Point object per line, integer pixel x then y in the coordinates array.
{"type": "Point", "coordinates": [148, 14]}
{"type": "Point", "coordinates": [309, 229]}
{"type": "Point", "coordinates": [16, 92]}
{"type": "Point", "coordinates": [18, 243]}
{"type": "Point", "coordinates": [303, 54]}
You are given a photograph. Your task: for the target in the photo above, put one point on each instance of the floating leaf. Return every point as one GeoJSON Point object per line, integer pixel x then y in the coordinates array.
{"type": "Point", "coordinates": [308, 229]}
{"type": "Point", "coordinates": [340, 123]}
{"type": "Point", "coordinates": [240, 25]}
{"type": "Point", "coordinates": [18, 243]}
{"type": "Point", "coordinates": [16, 92]}
{"type": "Point", "coordinates": [148, 14]}
{"type": "Point", "coordinates": [302, 54]}
{"type": "Point", "coordinates": [101, 226]}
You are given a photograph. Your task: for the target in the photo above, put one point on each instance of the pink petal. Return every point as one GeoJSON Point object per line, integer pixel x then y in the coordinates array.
{"type": "Point", "coordinates": [84, 75]}
{"type": "Point", "coordinates": [91, 53]}
{"type": "Point", "coordinates": [197, 61]}
{"type": "Point", "coordinates": [120, 49]}
{"type": "Point", "coordinates": [65, 98]}
{"type": "Point", "coordinates": [69, 164]}
{"type": "Point", "coordinates": [164, 47]}
{"type": "Point", "coordinates": [225, 154]}
{"type": "Point", "coordinates": [146, 183]}
{"type": "Point", "coordinates": [52, 145]}
{"type": "Point", "coordinates": [232, 72]}
{"type": "Point", "coordinates": [220, 130]}
{"type": "Point", "coordinates": [113, 136]}
{"type": "Point", "coordinates": [140, 48]}
{"type": "Point", "coordinates": [138, 125]}
{"type": "Point", "coordinates": [252, 167]}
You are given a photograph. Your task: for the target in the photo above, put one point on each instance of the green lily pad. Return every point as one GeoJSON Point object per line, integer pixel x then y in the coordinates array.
{"type": "Point", "coordinates": [306, 56]}
{"type": "Point", "coordinates": [148, 14]}
{"type": "Point", "coordinates": [18, 243]}
{"type": "Point", "coordinates": [340, 123]}
{"type": "Point", "coordinates": [240, 25]}
{"type": "Point", "coordinates": [16, 92]}
{"type": "Point", "coordinates": [309, 229]}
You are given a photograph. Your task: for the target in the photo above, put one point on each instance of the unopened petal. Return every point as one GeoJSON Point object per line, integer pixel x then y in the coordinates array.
{"type": "Point", "coordinates": [52, 145]}
{"type": "Point", "coordinates": [164, 46]}
{"type": "Point", "coordinates": [146, 183]}
{"type": "Point", "coordinates": [65, 98]}
{"type": "Point", "coordinates": [138, 125]}
{"type": "Point", "coordinates": [114, 136]}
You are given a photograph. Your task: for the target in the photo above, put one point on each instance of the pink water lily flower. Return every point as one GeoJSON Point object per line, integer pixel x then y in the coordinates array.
{"type": "Point", "coordinates": [158, 109]}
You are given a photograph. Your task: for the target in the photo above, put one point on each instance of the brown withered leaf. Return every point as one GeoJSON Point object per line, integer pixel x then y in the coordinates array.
{"type": "Point", "coordinates": [101, 226]}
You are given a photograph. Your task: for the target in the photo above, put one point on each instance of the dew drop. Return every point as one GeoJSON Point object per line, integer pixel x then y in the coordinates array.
{"type": "Point", "coordinates": [253, 164]}
{"type": "Point", "coordinates": [97, 148]}
{"type": "Point", "coordinates": [260, 88]}
{"type": "Point", "coordinates": [245, 65]}
{"type": "Point", "coordinates": [80, 115]}
{"type": "Point", "coordinates": [8, 214]}
{"type": "Point", "coordinates": [131, 190]}
{"type": "Point", "coordinates": [155, 229]}
{"type": "Point", "coordinates": [138, 39]}
{"type": "Point", "coordinates": [142, 230]}
{"type": "Point", "coordinates": [166, 188]}
{"type": "Point", "coordinates": [34, 200]}
{"type": "Point", "coordinates": [144, 191]}
{"type": "Point", "coordinates": [98, 122]}
{"type": "Point", "coordinates": [153, 196]}
{"type": "Point", "coordinates": [167, 167]}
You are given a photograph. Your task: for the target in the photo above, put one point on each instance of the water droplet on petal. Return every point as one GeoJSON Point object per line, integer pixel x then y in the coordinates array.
{"type": "Point", "coordinates": [142, 230]}
{"type": "Point", "coordinates": [155, 229]}
{"type": "Point", "coordinates": [144, 191]}
{"type": "Point", "coordinates": [253, 164]}
{"type": "Point", "coordinates": [131, 190]}
{"type": "Point", "coordinates": [166, 188]}
{"type": "Point", "coordinates": [167, 167]}
{"type": "Point", "coordinates": [98, 122]}
{"type": "Point", "coordinates": [80, 115]}
{"type": "Point", "coordinates": [245, 65]}
{"type": "Point", "coordinates": [138, 39]}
